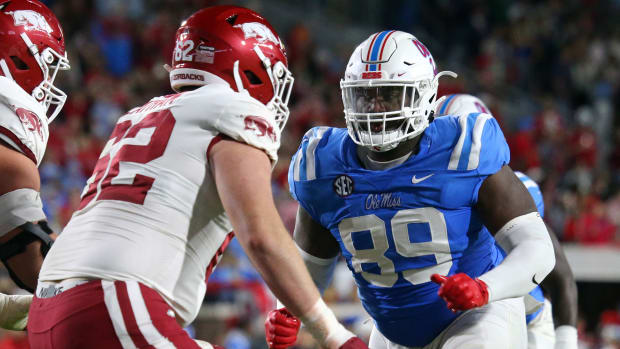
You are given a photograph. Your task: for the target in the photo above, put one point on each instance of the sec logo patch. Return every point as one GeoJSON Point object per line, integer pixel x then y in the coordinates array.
{"type": "Point", "coordinates": [343, 186]}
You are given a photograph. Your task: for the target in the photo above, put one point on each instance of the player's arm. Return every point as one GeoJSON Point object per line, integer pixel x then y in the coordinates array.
{"type": "Point", "coordinates": [243, 179]}
{"type": "Point", "coordinates": [508, 211]}
{"type": "Point", "coordinates": [510, 214]}
{"type": "Point", "coordinates": [318, 247]}
{"type": "Point", "coordinates": [561, 286]}
{"type": "Point", "coordinates": [319, 251]}
{"type": "Point", "coordinates": [23, 242]}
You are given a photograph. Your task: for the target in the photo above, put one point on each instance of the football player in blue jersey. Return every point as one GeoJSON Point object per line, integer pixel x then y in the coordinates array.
{"type": "Point", "coordinates": [405, 198]}
{"type": "Point", "coordinates": [559, 284]}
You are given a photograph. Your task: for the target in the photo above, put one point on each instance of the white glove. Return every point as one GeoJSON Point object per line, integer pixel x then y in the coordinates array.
{"type": "Point", "coordinates": [565, 337]}
{"type": "Point", "coordinates": [14, 311]}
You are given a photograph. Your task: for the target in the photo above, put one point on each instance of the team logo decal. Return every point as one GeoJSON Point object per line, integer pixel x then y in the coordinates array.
{"type": "Point", "coordinates": [30, 120]}
{"type": "Point", "coordinates": [205, 53]}
{"type": "Point", "coordinates": [343, 186]}
{"type": "Point", "coordinates": [384, 200]}
{"type": "Point", "coordinates": [258, 31]}
{"type": "Point", "coordinates": [261, 126]}
{"type": "Point", "coordinates": [31, 20]}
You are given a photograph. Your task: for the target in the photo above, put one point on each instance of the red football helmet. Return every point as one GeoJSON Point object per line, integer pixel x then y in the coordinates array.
{"type": "Point", "coordinates": [32, 51]}
{"type": "Point", "coordinates": [238, 46]}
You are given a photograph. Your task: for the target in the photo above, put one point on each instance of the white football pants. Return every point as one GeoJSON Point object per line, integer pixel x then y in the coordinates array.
{"type": "Point", "coordinates": [500, 324]}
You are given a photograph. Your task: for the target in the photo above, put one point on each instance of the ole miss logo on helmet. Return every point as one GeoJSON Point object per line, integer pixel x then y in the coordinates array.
{"type": "Point", "coordinates": [30, 120]}
{"type": "Point", "coordinates": [261, 126]}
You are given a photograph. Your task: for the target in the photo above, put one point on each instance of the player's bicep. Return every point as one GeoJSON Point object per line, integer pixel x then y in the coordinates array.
{"type": "Point", "coordinates": [501, 198]}
{"type": "Point", "coordinates": [313, 238]}
{"type": "Point", "coordinates": [243, 179]}
{"type": "Point", "coordinates": [17, 171]}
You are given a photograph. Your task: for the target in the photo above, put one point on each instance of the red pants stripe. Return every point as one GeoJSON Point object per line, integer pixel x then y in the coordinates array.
{"type": "Point", "coordinates": [105, 314]}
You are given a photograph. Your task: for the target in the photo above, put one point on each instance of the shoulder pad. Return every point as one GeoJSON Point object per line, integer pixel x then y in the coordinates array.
{"type": "Point", "coordinates": [303, 163]}
{"type": "Point", "coordinates": [480, 146]}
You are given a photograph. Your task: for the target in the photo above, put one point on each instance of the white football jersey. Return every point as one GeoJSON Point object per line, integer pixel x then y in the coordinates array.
{"type": "Point", "coordinates": [151, 211]}
{"type": "Point", "coordinates": [23, 123]}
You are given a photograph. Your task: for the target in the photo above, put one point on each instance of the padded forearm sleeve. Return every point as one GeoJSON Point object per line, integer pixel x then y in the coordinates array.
{"type": "Point", "coordinates": [18, 207]}
{"type": "Point", "coordinates": [321, 269]}
{"type": "Point", "coordinates": [529, 258]}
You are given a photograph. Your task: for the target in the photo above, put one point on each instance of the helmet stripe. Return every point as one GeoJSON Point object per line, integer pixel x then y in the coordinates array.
{"type": "Point", "coordinates": [370, 49]}
{"type": "Point", "coordinates": [444, 106]}
{"type": "Point", "coordinates": [377, 45]}
{"type": "Point", "coordinates": [383, 46]}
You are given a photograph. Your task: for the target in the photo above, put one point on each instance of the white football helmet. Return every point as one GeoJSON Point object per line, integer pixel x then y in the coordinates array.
{"type": "Point", "coordinates": [460, 104]}
{"type": "Point", "coordinates": [389, 90]}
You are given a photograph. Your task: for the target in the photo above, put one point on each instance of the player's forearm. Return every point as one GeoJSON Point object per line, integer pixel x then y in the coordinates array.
{"type": "Point", "coordinates": [277, 259]}
{"type": "Point", "coordinates": [275, 256]}
{"type": "Point", "coordinates": [561, 286]}
{"type": "Point", "coordinates": [529, 258]}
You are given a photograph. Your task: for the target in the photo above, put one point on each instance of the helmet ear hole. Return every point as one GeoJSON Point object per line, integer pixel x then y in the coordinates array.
{"type": "Point", "coordinates": [232, 19]}
{"type": "Point", "coordinates": [252, 78]}
{"type": "Point", "coordinates": [19, 64]}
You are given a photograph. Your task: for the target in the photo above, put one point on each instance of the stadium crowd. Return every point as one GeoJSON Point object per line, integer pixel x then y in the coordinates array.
{"type": "Point", "coordinates": [548, 70]}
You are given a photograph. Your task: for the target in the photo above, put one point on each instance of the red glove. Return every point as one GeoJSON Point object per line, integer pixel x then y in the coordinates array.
{"type": "Point", "coordinates": [281, 329]}
{"type": "Point", "coordinates": [354, 343]}
{"type": "Point", "coordinates": [461, 292]}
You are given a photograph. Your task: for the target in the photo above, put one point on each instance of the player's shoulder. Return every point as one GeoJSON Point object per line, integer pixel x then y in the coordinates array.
{"type": "Point", "coordinates": [219, 109]}
{"type": "Point", "coordinates": [469, 142]}
{"type": "Point", "coordinates": [23, 121]}
{"type": "Point", "coordinates": [534, 190]}
{"type": "Point", "coordinates": [219, 100]}
{"type": "Point", "coordinates": [320, 153]}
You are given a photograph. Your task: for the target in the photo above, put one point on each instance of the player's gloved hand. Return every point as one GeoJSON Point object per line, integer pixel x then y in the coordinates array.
{"type": "Point", "coordinates": [461, 292]}
{"type": "Point", "coordinates": [14, 311]}
{"type": "Point", "coordinates": [281, 329]}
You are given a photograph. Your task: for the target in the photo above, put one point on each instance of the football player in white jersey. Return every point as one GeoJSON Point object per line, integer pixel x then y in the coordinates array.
{"type": "Point", "coordinates": [405, 197]}
{"type": "Point", "coordinates": [559, 284]}
{"type": "Point", "coordinates": [176, 178]}
{"type": "Point", "coordinates": [32, 51]}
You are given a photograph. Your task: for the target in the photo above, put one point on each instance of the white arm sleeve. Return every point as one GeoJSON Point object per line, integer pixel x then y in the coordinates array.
{"type": "Point", "coordinates": [321, 270]}
{"type": "Point", "coordinates": [529, 258]}
{"type": "Point", "coordinates": [19, 207]}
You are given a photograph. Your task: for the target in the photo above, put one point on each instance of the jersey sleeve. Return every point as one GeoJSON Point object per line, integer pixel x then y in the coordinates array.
{"type": "Point", "coordinates": [481, 145]}
{"type": "Point", "coordinates": [534, 190]}
{"type": "Point", "coordinates": [235, 115]}
{"type": "Point", "coordinates": [22, 125]}
{"type": "Point", "coordinates": [303, 170]}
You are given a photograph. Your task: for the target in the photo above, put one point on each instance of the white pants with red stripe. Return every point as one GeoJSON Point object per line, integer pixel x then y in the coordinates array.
{"type": "Point", "coordinates": [103, 314]}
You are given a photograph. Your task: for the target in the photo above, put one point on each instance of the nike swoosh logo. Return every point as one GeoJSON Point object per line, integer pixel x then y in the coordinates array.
{"type": "Point", "coordinates": [534, 280]}
{"type": "Point", "coordinates": [401, 74]}
{"type": "Point", "coordinates": [418, 180]}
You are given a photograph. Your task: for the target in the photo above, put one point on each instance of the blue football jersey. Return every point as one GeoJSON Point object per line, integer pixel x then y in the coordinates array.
{"type": "Point", "coordinates": [398, 226]}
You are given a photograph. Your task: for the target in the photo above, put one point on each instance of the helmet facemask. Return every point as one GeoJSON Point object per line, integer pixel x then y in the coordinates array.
{"type": "Point", "coordinates": [282, 81]}
{"type": "Point", "coordinates": [382, 113]}
{"type": "Point", "coordinates": [50, 63]}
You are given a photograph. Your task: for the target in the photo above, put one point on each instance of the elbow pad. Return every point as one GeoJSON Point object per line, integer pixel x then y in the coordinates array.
{"type": "Point", "coordinates": [19, 207]}
{"type": "Point", "coordinates": [529, 257]}
{"type": "Point", "coordinates": [321, 269]}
